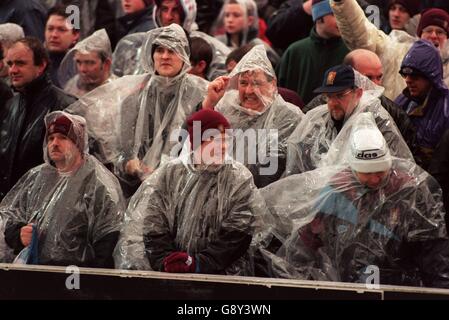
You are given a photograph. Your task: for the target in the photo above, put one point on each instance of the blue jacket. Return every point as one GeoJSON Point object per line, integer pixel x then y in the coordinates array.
{"type": "Point", "coordinates": [433, 119]}
{"type": "Point", "coordinates": [29, 14]}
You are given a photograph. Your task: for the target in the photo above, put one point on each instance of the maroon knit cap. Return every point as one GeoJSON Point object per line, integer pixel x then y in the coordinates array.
{"type": "Point", "coordinates": [433, 17]}
{"type": "Point", "coordinates": [64, 126]}
{"type": "Point", "coordinates": [209, 119]}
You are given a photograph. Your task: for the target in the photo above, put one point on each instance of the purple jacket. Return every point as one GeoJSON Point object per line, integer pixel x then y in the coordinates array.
{"type": "Point", "coordinates": [430, 126]}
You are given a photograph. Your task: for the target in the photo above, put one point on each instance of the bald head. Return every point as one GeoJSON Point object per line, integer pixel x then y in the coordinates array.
{"type": "Point", "coordinates": [367, 63]}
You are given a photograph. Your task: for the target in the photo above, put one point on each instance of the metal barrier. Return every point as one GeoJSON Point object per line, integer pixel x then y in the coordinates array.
{"type": "Point", "coordinates": [48, 282]}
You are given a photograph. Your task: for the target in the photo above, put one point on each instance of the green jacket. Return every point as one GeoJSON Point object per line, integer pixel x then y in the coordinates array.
{"type": "Point", "coordinates": [304, 63]}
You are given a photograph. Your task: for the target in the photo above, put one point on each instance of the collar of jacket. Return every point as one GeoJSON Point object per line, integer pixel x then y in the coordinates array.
{"type": "Point", "coordinates": [422, 103]}
{"type": "Point", "coordinates": [136, 17]}
{"type": "Point", "coordinates": [36, 86]}
{"type": "Point", "coordinates": [315, 37]}
{"type": "Point", "coordinates": [56, 57]}
{"type": "Point", "coordinates": [252, 34]}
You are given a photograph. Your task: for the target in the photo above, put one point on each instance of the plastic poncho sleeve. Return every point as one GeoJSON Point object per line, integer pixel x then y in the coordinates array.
{"type": "Point", "coordinates": [15, 212]}
{"type": "Point", "coordinates": [427, 240]}
{"type": "Point", "coordinates": [356, 30]}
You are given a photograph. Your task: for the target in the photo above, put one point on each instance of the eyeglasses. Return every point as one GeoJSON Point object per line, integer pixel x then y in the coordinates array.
{"type": "Point", "coordinates": [438, 31]}
{"type": "Point", "coordinates": [413, 76]}
{"type": "Point", "coordinates": [336, 96]}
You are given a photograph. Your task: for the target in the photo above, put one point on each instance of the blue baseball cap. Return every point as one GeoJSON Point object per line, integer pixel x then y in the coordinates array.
{"type": "Point", "coordinates": [336, 79]}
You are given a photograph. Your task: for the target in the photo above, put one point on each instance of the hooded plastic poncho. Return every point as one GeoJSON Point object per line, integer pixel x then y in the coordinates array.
{"type": "Point", "coordinates": [317, 142]}
{"type": "Point", "coordinates": [127, 54]}
{"type": "Point", "coordinates": [78, 214]}
{"type": "Point", "coordinates": [334, 228]}
{"type": "Point", "coordinates": [248, 34]}
{"type": "Point", "coordinates": [67, 73]}
{"type": "Point", "coordinates": [135, 116]}
{"type": "Point", "coordinates": [269, 128]}
{"type": "Point", "coordinates": [210, 212]}
{"type": "Point", "coordinates": [220, 51]}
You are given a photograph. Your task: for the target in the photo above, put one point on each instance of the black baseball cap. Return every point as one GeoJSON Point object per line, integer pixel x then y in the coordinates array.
{"type": "Point", "coordinates": [336, 79]}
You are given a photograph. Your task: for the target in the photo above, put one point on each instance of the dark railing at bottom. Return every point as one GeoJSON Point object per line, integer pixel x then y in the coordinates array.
{"type": "Point", "coordinates": [47, 282]}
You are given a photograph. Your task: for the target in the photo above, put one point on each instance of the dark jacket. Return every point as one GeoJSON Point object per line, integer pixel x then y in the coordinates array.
{"type": "Point", "coordinates": [96, 15]}
{"type": "Point", "coordinates": [430, 115]}
{"type": "Point", "coordinates": [304, 63]}
{"type": "Point", "coordinates": [439, 169]}
{"type": "Point", "coordinates": [442, 4]}
{"type": "Point", "coordinates": [289, 24]}
{"type": "Point", "coordinates": [29, 14]}
{"type": "Point", "coordinates": [22, 129]}
{"type": "Point", "coordinates": [5, 94]}
{"type": "Point", "coordinates": [53, 68]}
{"type": "Point", "coordinates": [207, 13]}
{"type": "Point", "coordinates": [141, 21]}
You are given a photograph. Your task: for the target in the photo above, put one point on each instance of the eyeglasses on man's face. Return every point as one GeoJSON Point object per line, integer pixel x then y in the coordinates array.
{"type": "Point", "coordinates": [440, 33]}
{"type": "Point", "coordinates": [336, 96]}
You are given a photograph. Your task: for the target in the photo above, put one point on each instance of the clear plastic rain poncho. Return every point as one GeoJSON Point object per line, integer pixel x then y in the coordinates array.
{"type": "Point", "coordinates": [210, 212]}
{"type": "Point", "coordinates": [266, 129]}
{"type": "Point", "coordinates": [333, 227]}
{"type": "Point", "coordinates": [127, 55]}
{"type": "Point", "coordinates": [126, 59]}
{"type": "Point", "coordinates": [317, 142]}
{"type": "Point", "coordinates": [77, 213]}
{"type": "Point", "coordinates": [68, 73]}
{"type": "Point", "coordinates": [188, 17]}
{"type": "Point", "coordinates": [133, 117]}
{"type": "Point", "coordinates": [220, 51]}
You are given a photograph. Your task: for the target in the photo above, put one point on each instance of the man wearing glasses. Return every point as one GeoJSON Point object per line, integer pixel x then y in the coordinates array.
{"type": "Point", "coordinates": [359, 33]}
{"type": "Point", "coordinates": [426, 97]}
{"type": "Point", "coordinates": [327, 127]}
{"type": "Point", "coordinates": [368, 64]}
